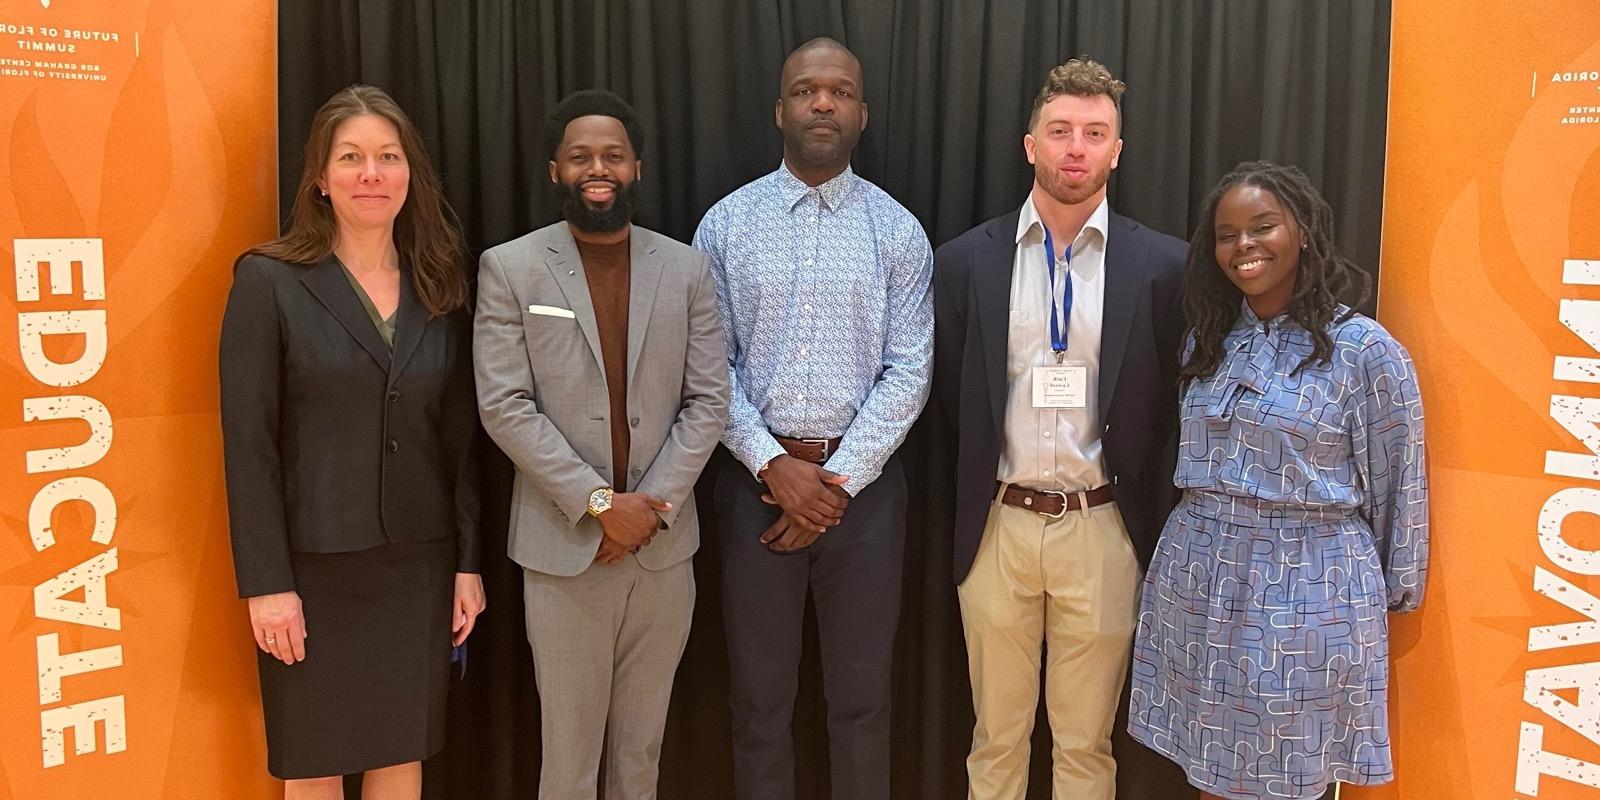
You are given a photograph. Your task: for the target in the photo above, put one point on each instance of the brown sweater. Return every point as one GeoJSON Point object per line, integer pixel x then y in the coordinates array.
{"type": "Point", "coordinates": [608, 268]}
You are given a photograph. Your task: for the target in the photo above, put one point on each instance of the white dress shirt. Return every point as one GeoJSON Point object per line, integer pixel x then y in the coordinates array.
{"type": "Point", "coordinates": [1054, 448]}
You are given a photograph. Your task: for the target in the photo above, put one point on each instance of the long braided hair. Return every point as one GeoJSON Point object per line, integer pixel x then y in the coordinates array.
{"type": "Point", "coordinates": [1211, 301]}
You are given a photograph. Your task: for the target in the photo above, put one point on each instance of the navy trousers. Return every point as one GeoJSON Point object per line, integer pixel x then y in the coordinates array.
{"type": "Point", "coordinates": [853, 573]}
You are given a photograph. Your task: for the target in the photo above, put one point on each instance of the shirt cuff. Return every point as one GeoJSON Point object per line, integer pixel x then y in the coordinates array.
{"type": "Point", "coordinates": [761, 454]}
{"type": "Point", "coordinates": [857, 475]}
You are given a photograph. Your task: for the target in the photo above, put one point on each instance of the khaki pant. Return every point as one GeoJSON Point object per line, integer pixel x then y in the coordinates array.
{"type": "Point", "coordinates": [1072, 583]}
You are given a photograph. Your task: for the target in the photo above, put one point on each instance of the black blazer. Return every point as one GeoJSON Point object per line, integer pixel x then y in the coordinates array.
{"type": "Point", "coordinates": [1140, 341]}
{"type": "Point", "coordinates": [331, 444]}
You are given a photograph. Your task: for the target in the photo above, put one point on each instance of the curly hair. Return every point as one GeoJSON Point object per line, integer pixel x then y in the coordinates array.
{"type": "Point", "coordinates": [593, 103]}
{"type": "Point", "coordinates": [426, 232]}
{"type": "Point", "coordinates": [1081, 77]}
{"type": "Point", "coordinates": [1211, 301]}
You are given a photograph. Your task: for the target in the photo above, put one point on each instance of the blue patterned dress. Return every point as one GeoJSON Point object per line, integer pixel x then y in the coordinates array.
{"type": "Point", "coordinates": [1261, 662]}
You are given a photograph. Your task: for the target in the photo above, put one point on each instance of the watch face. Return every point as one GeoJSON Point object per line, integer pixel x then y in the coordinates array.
{"type": "Point", "coordinates": [600, 500]}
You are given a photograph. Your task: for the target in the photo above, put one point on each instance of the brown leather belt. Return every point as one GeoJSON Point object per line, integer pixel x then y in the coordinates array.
{"type": "Point", "coordinates": [815, 451]}
{"type": "Point", "coordinates": [1052, 504]}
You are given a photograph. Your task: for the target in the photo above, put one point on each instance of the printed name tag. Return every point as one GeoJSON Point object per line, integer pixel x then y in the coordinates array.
{"type": "Point", "coordinates": [1061, 386]}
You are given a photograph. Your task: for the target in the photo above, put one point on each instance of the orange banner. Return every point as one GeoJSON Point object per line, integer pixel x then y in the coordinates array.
{"type": "Point", "coordinates": [137, 149]}
{"type": "Point", "coordinates": [1491, 276]}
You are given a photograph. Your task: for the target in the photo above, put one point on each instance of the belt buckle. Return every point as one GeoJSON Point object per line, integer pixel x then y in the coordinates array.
{"type": "Point", "coordinates": [822, 443]}
{"type": "Point", "coordinates": [1062, 495]}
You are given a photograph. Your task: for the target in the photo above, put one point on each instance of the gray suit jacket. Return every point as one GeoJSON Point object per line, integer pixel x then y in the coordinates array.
{"type": "Point", "coordinates": [542, 391]}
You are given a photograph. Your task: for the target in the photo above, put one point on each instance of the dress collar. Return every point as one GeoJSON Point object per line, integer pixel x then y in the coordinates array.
{"type": "Point", "coordinates": [833, 192]}
{"type": "Point", "coordinates": [1031, 228]}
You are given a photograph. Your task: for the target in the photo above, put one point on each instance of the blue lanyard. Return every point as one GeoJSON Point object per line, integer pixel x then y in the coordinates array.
{"type": "Point", "coordinates": [1058, 328]}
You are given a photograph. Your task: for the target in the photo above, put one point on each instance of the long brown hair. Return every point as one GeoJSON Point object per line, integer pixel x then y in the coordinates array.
{"type": "Point", "coordinates": [426, 232]}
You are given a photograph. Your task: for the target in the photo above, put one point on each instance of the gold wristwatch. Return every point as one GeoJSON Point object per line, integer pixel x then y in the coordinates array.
{"type": "Point", "coordinates": [600, 501]}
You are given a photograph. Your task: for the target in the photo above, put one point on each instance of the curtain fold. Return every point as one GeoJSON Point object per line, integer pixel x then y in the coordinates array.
{"type": "Point", "coordinates": [949, 84]}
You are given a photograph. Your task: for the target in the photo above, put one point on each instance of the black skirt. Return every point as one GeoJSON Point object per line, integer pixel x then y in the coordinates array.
{"type": "Point", "coordinates": [371, 692]}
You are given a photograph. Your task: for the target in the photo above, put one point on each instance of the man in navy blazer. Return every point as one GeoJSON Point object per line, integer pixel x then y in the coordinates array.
{"type": "Point", "coordinates": [1057, 335]}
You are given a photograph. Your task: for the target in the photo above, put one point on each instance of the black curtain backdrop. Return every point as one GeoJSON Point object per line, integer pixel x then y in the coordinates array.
{"type": "Point", "coordinates": [949, 84]}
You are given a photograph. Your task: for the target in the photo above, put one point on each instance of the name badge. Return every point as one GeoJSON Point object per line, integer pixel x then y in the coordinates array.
{"type": "Point", "coordinates": [1061, 386]}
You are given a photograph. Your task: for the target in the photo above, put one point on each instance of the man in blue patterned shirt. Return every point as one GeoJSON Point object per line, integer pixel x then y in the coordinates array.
{"type": "Point", "coordinates": [822, 281]}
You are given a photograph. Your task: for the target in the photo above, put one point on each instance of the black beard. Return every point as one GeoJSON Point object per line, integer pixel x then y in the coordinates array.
{"type": "Point", "coordinates": [582, 216]}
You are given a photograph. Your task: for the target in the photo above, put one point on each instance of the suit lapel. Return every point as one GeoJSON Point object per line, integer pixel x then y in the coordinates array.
{"type": "Point", "coordinates": [991, 285]}
{"type": "Point", "coordinates": [327, 282]}
{"type": "Point", "coordinates": [645, 276]}
{"type": "Point", "coordinates": [566, 266]}
{"type": "Point", "coordinates": [1125, 262]}
{"type": "Point", "coordinates": [410, 322]}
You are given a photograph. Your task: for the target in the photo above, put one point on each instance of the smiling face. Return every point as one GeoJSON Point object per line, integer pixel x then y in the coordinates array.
{"type": "Point", "coordinates": [1074, 146]}
{"type": "Point", "coordinates": [595, 169]}
{"type": "Point", "coordinates": [366, 176]}
{"type": "Point", "coordinates": [1258, 247]}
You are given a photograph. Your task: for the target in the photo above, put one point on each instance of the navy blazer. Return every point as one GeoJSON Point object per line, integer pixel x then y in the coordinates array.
{"type": "Point", "coordinates": [1140, 341]}
{"type": "Point", "coordinates": [332, 443]}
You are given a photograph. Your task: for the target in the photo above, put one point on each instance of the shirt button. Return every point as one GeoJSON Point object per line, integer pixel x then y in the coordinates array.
{"type": "Point", "coordinates": [813, 217]}
{"type": "Point", "coordinates": [1046, 434]}
{"type": "Point", "coordinates": [802, 351]}
{"type": "Point", "coordinates": [394, 446]}
{"type": "Point", "coordinates": [809, 262]}
{"type": "Point", "coordinates": [1047, 473]}
{"type": "Point", "coordinates": [634, 422]}
{"type": "Point", "coordinates": [807, 306]}
{"type": "Point", "coordinates": [802, 397]}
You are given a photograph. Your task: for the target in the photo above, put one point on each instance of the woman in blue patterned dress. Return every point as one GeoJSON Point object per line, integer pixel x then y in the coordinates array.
{"type": "Point", "coordinates": [1261, 658]}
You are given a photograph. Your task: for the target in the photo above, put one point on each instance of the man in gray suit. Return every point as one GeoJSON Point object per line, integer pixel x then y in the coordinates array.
{"type": "Point", "coordinates": [601, 373]}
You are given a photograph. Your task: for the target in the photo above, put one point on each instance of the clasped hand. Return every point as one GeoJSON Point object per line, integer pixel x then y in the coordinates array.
{"type": "Point", "coordinates": [812, 498]}
{"type": "Point", "coordinates": [630, 523]}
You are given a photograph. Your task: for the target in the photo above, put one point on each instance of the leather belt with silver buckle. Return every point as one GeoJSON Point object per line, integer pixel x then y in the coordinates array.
{"type": "Point", "coordinates": [815, 451]}
{"type": "Point", "coordinates": [1053, 504]}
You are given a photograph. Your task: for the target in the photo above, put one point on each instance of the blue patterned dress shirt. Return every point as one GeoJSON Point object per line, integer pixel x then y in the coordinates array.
{"type": "Point", "coordinates": [828, 316]}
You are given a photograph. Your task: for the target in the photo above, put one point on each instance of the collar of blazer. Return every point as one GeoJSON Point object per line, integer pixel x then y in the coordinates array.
{"type": "Point", "coordinates": [326, 282]}
{"type": "Point", "coordinates": [644, 268]}
{"type": "Point", "coordinates": [1126, 254]}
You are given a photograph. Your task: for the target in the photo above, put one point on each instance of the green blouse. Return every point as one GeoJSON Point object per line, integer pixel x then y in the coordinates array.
{"type": "Point", "coordinates": [385, 326]}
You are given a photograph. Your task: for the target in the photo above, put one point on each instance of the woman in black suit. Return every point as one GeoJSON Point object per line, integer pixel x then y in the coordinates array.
{"type": "Point", "coordinates": [348, 421]}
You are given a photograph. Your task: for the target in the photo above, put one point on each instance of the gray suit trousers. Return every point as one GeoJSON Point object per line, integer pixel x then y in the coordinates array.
{"type": "Point", "coordinates": [606, 644]}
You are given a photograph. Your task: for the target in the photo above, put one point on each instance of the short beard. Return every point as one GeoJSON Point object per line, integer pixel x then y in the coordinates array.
{"type": "Point", "coordinates": [579, 214]}
{"type": "Point", "coordinates": [1056, 186]}
{"type": "Point", "coordinates": [819, 154]}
